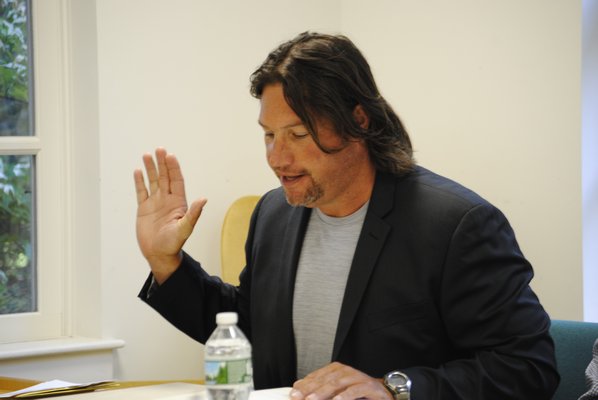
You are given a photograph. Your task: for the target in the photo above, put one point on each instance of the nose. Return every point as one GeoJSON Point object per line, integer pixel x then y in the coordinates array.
{"type": "Point", "coordinates": [278, 153]}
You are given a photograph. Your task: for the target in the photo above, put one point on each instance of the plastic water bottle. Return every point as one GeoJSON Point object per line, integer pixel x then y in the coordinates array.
{"type": "Point", "coordinates": [228, 368]}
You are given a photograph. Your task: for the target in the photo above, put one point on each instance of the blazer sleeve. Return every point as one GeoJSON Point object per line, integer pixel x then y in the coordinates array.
{"type": "Point", "coordinates": [190, 299]}
{"type": "Point", "coordinates": [491, 315]}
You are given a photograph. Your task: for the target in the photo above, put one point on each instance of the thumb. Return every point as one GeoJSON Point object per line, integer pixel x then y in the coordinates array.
{"type": "Point", "coordinates": [187, 223]}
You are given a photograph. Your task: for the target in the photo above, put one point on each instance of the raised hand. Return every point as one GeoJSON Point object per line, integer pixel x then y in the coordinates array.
{"type": "Point", "coordinates": [164, 221]}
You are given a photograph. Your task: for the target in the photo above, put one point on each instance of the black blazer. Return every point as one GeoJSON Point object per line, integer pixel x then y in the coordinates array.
{"type": "Point", "coordinates": [438, 289]}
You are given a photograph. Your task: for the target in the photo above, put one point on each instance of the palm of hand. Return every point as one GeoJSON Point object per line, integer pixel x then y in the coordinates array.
{"type": "Point", "coordinates": [164, 222]}
{"type": "Point", "coordinates": [161, 230]}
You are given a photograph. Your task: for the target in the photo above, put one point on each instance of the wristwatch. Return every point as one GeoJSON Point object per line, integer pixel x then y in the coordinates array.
{"type": "Point", "coordinates": [398, 384]}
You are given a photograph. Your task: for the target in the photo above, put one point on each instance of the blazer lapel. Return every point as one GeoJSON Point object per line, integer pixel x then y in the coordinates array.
{"type": "Point", "coordinates": [296, 225]}
{"type": "Point", "coordinates": [371, 241]}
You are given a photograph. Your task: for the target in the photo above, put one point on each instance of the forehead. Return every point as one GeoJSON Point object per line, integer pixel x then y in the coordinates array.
{"type": "Point", "coordinates": [275, 112]}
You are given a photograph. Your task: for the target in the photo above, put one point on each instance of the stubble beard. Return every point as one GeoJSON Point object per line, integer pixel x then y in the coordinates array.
{"type": "Point", "coordinates": [313, 193]}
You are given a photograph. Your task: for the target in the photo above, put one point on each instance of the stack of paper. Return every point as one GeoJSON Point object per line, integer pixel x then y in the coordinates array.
{"type": "Point", "coordinates": [54, 388]}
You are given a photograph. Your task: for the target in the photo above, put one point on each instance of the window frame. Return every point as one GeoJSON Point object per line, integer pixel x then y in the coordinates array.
{"type": "Point", "coordinates": [50, 147]}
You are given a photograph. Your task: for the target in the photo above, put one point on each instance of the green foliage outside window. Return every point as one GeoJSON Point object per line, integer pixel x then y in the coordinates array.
{"type": "Point", "coordinates": [17, 268]}
{"type": "Point", "coordinates": [14, 69]}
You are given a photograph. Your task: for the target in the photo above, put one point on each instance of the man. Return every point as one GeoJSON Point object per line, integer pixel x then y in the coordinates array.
{"type": "Point", "coordinates": [366, 276]}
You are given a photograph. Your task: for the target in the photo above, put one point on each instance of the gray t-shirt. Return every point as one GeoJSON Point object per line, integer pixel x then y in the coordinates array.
{"type": "Point", "coordinates": [324, 265]}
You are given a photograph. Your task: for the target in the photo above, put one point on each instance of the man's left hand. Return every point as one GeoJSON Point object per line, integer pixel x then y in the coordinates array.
{"type": "Point", "coordinates": [339, 382]}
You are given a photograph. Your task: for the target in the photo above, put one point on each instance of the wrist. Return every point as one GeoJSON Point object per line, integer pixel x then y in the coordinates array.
{"type": "Point", "coordinates": [164, 266]}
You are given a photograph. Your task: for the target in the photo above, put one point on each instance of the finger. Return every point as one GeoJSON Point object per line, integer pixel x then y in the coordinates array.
{"type": "Point", "coordinates": [322, 383]}
{"type": "Point", "coordinates": [370, 389]}
{"type": "Point", "coordinates": [187, 223]}
{"type": "Point", "coordinates": [140, 188]}
{"type": "Point", "coordinates": [296, 393]}
{"type": "Point", "coordinates": [320, 376]}
{"type": "Point", "coordinates": [152, 173]}
{"type": "Point", "coordinates": [331, 387]}
{"type": "Point", "coordinates": [177, 183]}
{"type": "Point", "coordinates": [163, 177]}
{"type": "Point", "coordinates": [334, 380]}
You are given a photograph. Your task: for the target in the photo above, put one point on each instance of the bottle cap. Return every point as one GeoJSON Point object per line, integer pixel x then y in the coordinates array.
{"type": "Point", "coordinates": [226, 318]}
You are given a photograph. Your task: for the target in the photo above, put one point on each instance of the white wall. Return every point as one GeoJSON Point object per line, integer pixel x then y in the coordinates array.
{"type": "Point", "coordinates": [490, 92]}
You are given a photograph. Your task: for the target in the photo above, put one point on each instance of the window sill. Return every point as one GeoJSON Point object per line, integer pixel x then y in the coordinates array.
{"type": "Point", "coordinates": [60, 346]}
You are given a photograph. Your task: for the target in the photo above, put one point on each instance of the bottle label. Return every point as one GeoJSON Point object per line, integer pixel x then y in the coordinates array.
{"type": "Point", "coordinates": [227, 372]}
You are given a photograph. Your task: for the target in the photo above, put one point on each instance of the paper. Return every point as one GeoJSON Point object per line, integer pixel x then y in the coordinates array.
{"type": "Point", "coordinates": [271, 394]}
{"type": "Point", "coordinates": [170, 391]}
{"type": "Point", "coordinates": [55, 387]}
{"type": "Point", "coordinates": [165, 391]}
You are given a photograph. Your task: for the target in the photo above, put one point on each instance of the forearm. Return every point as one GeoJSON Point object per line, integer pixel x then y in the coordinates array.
{"type": "Point", "coordinates": [190, 299]}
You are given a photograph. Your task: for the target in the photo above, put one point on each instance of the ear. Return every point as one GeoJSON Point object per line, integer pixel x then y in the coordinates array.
{"type": "Point", "coordinates": [362, 119]}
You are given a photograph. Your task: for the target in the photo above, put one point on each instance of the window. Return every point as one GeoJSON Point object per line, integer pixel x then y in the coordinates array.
{"type": "Point", "coordinates": [17, 261]}
{"type": "Point", "coordinates": [34, 218]}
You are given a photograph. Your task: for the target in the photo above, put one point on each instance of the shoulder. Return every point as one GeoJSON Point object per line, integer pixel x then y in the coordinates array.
{"type": "Point", "coordinates": [425, 184]}
{"type": "Point", "coordinates": [423, 191]}
{"type": "Point", "coordinates": [423, 201]}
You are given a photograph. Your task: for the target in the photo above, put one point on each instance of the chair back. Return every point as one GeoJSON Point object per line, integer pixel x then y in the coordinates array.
{"type": "Point", "coordinates": [234, 234]}
{"type": "Point", "coordinates": [573, 342]}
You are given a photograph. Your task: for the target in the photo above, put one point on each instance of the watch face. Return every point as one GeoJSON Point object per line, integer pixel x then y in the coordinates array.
{"type": "Point", "coordinates": [398, 384]}
{"type": "Point", "coordinates": [397, 380]}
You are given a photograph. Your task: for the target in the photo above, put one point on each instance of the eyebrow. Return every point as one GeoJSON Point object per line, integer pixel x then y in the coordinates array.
{"type": "Point", "coordinates": [293, 125]}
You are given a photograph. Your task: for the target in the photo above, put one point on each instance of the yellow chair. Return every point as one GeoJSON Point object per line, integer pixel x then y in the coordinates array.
{"type": "Point", "coordinates": [234, 234]}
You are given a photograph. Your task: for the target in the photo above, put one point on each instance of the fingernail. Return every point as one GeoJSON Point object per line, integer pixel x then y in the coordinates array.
{"type": "Point", "coordinates": [295, 394]}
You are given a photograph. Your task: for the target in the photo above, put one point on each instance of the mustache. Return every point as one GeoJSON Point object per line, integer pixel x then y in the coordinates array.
{"type": "Point", "coordinates": [289, 172]}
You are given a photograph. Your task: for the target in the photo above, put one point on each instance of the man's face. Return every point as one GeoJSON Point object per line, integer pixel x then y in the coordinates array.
{"type": "Point", "coordinates": [338, 183]}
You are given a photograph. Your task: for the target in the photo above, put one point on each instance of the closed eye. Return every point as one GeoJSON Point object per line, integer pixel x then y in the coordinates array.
{"type": "Point", "coordinates": [299, 135]}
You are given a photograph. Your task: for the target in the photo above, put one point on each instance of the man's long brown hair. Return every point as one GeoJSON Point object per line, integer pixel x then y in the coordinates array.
{"type": "Point", "coordinates": [325, 77]}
